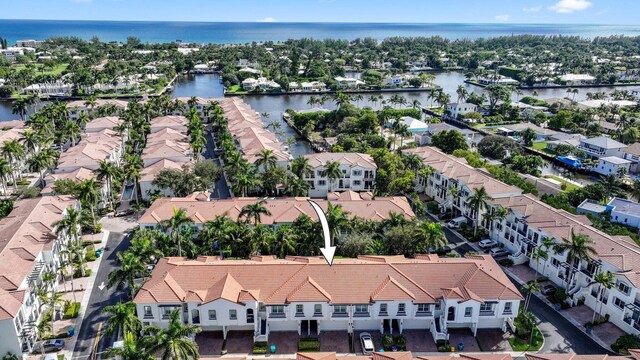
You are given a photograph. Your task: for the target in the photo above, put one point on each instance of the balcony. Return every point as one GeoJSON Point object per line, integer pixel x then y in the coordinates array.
{"type": "Point", "coordinates": [340, 315]}
{"type": "Point", "coordinates": [361, 314]}
{"type": "Point", "coordinates": [277, 315]}
{"type": "Point", "coordinates": [487, 313]}
{"type": "Point", "coordinates": [317, 314]}
{"type": "Point", "coordinates": [424, 313]}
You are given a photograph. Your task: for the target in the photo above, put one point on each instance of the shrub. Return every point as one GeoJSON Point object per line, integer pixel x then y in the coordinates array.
{"type": "Point", "coordinates": [90, 253]}
{"type": "Point", "coordinates": [400, 342]}
{"type": "Point", "coordinates": [309, 345]}
{"type": "Point", "coordinates": [259, 347]}
{"type": "Point", "coordinates": [72, 310]}
{"type": "Point", "coordinates": [443, 346]}
{"type": "Point", "coordinates": [78, 273]}
{"type": "Point", "coordinates": [626, 342]}
{"type": "Point", "coordinates": [433, 207]}
{"type": "Point", "coordinates": [506, 262]}
{"type": "Point", "coordinates": [387, 341]}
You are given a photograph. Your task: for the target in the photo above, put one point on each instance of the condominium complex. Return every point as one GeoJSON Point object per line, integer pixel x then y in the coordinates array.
{"type": "Point", "coordinates": [357, 173]}
{"type": "Point", "coordinates": [527, 222]}
{"type": "Point", "coordinates": [29, 247]}
{"type": "Point", "coordinates": [304, 294]}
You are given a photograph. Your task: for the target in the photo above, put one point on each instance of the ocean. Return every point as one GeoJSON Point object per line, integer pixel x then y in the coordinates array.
{"type": "Point", "coordinates": [236, 32]}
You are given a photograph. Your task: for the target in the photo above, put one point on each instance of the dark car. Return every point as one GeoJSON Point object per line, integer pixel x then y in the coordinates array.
{"type": "Point", "coordinates": [548, 289]}
{"type": "Point", "coordinates": [48, 346]}
{"type": "Point", "coordinates": [126, 212]}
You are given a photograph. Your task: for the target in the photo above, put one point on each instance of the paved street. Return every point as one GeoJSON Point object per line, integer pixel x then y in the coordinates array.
{"type": "Point", "coordinates": [221, 189]}
{"type": "Point", "coordinates": [101, 298]}
{"type": "Point", "coordinates": [559, 333]}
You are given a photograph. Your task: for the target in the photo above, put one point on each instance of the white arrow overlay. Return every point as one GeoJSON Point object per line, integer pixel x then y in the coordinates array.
{"type": "Point", "coordinates": [328, 251]}
{"type": "Point", "coordinates": [101, 286]}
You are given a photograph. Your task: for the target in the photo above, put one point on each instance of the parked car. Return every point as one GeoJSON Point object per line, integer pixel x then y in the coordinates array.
{"type": "Point", "coordinates": [498, 252]}
{"type": "Point", "coordinates": [487, 243]}
{"type": "Point", "coordinates": [367, 343]}
{"type": "Point", "coordinates": [455, 223]}
{"type": "Point", "coordinates": [48, 346]}
{"type": "Point", "coordinates": [125, 212]}
{"type": "Point", "coordinates": [548, 289]}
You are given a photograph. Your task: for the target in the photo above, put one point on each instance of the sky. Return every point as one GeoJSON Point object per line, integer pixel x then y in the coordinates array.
{"type": "Point", "coordinates": [386, 11]}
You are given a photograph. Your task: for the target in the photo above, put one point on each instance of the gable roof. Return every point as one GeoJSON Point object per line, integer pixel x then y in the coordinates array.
{"type": "Point", "coordinates": [349, 159]}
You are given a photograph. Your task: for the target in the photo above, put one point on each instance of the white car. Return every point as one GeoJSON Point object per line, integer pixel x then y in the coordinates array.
{"type": "Point", "coordinates": [498, 252]}
{"type": "Point", "coordinates": [367, 343]}
{"type": "Point", "coordinates": [487, 243]}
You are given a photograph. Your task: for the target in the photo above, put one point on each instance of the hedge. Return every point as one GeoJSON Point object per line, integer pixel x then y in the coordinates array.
{"type": "Point", "coordinates": [90, 253]}
{"type": "Point", "coordinates": [259, 347]}
{"type": "Point", "coordinates": [309, 345]}
{"type": "Point", "coordinates": [72, 311]}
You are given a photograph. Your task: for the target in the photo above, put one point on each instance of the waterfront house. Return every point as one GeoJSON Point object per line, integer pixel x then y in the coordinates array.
{"type": "Point", "coordinates": [456, 109]}
{"type": "Point", "coordinates": [577, 79]}
{"type": "Point", "coordinates": [260, 83]}
{"type": "Point", "coordinates": [29, 248]}
{"type": "Point", "coordinates": [78, 107]}
{"type": "Point", "coordinates": [602, 146]}
{"type": "Point", "coordinates": [624, 211]}
{"type": "Point", "coordinates": [358, 173]}
{"type": "Point", "coordinates": [414, 125]}
{"type": "Point", "coordinates": [632, 153]}
{"type": "Point", "coordinates": [591, 207]}
{"type": "Point", "coordinates": [424, 138]}
{"type": "Point", "coordinates": [348, 83]}
{"type": "Point", "coordinates": [266, 295]}
{"type": "Point", "coordinates": [515, 131]}
{"type": "Point", "coordinates": [612, 165]}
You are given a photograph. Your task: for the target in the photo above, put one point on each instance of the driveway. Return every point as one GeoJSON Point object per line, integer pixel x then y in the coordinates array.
{"type": "Point", "coordinates": [221, 189]}
{"type": "Point", "coordinates": [286, 342]}
{"type": "Point", "coordinates": [209, 343]}
{"type": "Point", "coordinates": [493, 340]}
{"type": "Point", "coordinates": [420, 341]}
{"type": "Point", "coordinates": [240, 342]}
{"type": "Point", "coordinates": [335, 341]}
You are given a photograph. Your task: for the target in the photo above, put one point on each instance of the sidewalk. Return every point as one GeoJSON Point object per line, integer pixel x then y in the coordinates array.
{"type": "Point", "coordinates": [71, 342]}
{"type": "Point", "coordinates": [578, 326]}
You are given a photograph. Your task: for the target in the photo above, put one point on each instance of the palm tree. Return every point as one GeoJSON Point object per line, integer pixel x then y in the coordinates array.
{"type": "Point", "coordinates": [130, 268]}
{"type": "Point", "coordinates": [605, 280]}
{"type": "Point", "coordinates": [89, 194]}
{"type": "Point", "coordinates": [31, 140]}
{"type": "Point", "coordinates": [107, 171]}
{"type": "Point", "coordinates": [431, 235]}
{"type": "Point", "coordinates": [254, 212]}
{"type": "Point", "coordinates": [284, 241]}
{"type": "Point", "coordinates": [455, 194]}
{"type": "Point", "coordinates": [145, 250]}
{"type": "Point", "coordinates": [122, 319]}
{"type": "Point", "coordinates": [539, 253]}
{"type": "Point", "coordinates": [612, 186]}
{"type": "Point", "coordinates": [331, 171]}
{"type": "Point", "coordinates": [301, 168]}
{"type": "Point", "coordinates": [477, 202]}
{"type": "Point", "coordinates": [462, 93]}
{"type": "Point", "coordinates": [530, 288]}
{"type": "Point", "coordinates": [403, 132]}
{"type": "Point", "coordinates": [20, 107]}
{"type": "Point", "coordinates": [70, 225]}
{"type": "Point", "coordinates": [13, 151]}
{"type": "Point", "coordinates": [579, 248]}
{"type": "Point", "coordinates": [5, 174]}
{"type": "Point", "coordinates": [242, 182]}
{"type": "Point", "coordinates": [174, 225]}
{"type": "Point", "coordinates": [546, 243]}
{"type": "Point", "coordinates": [49, 299]}
{"type": "Point", "coordinates": [174, 341]}
{"type": "Point", "coordinates": [337, 220]}
{"type": "Point", "coordinates": [41, 162]}
{"type": "Point", "coordinates": [131, 349]}
{"type": "Point", "coordinates": [266, 159]}
{"type": "Point", "coordinates": [297, 187]}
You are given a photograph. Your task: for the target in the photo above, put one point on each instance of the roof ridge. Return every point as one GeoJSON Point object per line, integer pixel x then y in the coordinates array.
{"type": "Point", "coordinates": [411, 281]}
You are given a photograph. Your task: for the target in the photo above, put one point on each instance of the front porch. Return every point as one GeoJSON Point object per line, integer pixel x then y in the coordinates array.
{"type": "Point", "coordinates": [607, 333]}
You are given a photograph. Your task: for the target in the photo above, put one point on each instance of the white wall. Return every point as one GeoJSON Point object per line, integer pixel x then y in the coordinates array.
{"type": "Point", "coordinates": [9, 340]}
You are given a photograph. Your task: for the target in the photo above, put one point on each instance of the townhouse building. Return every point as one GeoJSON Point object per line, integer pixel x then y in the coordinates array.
{"type": "Point", "coordinates": [602, 146]}
{"type": "Point", "coordinates": [250, 133]}
{"type": "Point", "coordinates": [201, 209]}
{"type": "Point", "coordinates": [527, 222]}
{"type": "Point", "coordinates": [79, 107]}
{"type": "Point", "coordinates": [358, 173]}
{"type": "Point", "coordinates": [29, 247]}
{"type": "Point", "coordinates": [304, 294]}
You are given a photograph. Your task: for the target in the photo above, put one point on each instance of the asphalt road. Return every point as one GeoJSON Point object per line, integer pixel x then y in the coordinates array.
{"type": "Point", "coordinates": [221, 189]}
{"type": "Point", "coordinates": [559, 333]}
{"type": "Point", "coordinates": [100, 298]}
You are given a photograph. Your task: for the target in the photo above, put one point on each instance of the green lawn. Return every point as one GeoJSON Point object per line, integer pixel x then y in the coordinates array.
{"type": "Point", "coordinates": [570, 186]}
{"type": "Point", "coordinates": [522, 345]}
{"type": "Point", "coordinates": [539, 145]}
{"type": "Point", "coordinates": [55, 71]}
{"type": "Point", "coordinates": [236, 89]}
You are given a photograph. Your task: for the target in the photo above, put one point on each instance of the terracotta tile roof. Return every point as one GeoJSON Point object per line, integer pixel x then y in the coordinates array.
{"type": "Point", "coordinates": [570, 356]}
{"type": "Point", "coordinates": [149, 173]}
{"type": "Point", "coordinates": [245, 125]}
{"type": "Point", "coordinates": [619, 251]}
{"type": "Point", "coordinates": [100, 102]}
{"type": "Point", "coordinates": [392, 355]}
{"type": "Point", "coordinates": [77, 175]}
{"type": "Point", "coordinates": [174, 122]}
{"type": "Point", "coordinates": [283, 210]}
{"type": "Point", "coordinates": [102, 123]}
{"type": "Point", "coordinates": [10, 303]}
{"type": "Point", "coordinates": [11, 130]}
{"type": "Point", "coordinates": [279, 281]}
{"type": "Point", "coordinates": [24, 234]}
{"type": "Point", "coordinates": [316, 356]}
{"type": "Point", "coordinates": [457, 168]}
{"type": "Point", "coordinates": [350, 159]}
{"type": "Point", "coordinates": [167, 134]}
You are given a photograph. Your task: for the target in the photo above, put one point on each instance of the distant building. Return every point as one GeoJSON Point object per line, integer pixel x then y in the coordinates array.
{"type": "Point", "coordinates": [28, 43]}
{"type": "Point", "coordinates": [590, 207]}
{"type": "Point", "coordinates": [415, 126]}
{"type": "Point", "coordinates": [358, 173]}
{"type": "Point", "coordinates": [577, 79]}
{"type": "Point", "coordinates": [624, 211]}
{"type": "Point", "coordinates": [612, 165]}
{"type": "Point", "coordinates": [310, 86]}
{"type": "Point", "coordinates": [348, 83]}
{"type": "Point", "coordinates": [456, 109]}
{"type": "Point", "coordinates": [602, 146]}
{"type": "Point", "coordinates": [260, 83]}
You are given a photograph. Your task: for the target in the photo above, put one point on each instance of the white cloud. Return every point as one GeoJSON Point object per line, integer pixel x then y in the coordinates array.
{"type": "Point", "coordinates": [569, 6]}
{"type": "Point", "coordinates": [532, 9]}
{"type": "Point", "coordinates": [503, 17]}
{"type": "Point", "coordinates": [268, 19]}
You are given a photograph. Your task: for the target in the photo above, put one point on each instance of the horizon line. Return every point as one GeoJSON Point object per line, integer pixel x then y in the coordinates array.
{"type": "Point", "coordinates": [323, 22]}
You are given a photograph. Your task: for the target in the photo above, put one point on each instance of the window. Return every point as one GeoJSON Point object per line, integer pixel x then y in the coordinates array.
{"type": "Point", "coordinates": [555, 262]}
{"type": "Point", "coordinates": [357, 172]}
{"type": "Point", "coordinates": [299, 310]}
{"type": "Point", "coordinates": [147, 312]}
{"type": "Point", "coordinates": [339, 310]}
{"type": "Point", "coordinates": [624, 288]}
{"type": "Point", "coordinates": [383, 309]}
{"type": "Point", "coordinates": [619, 303]}
{"type": "Point", "coordinates": [437, 306]}
{"type": "Point", "coordinates": [277, 311]}
{"type": "Point", "coordinates": [322, 183]}
{"type": "Point", "coordinates": [317, 310]}
{"type": "Point", "coordinates": [319, 172]}
{"type": "Point", "coordinates": [362, 308]}
{"type": "Point", "coordinates": [357, 182]}
{"type": "Point", "coordinates": [212, 315]}
{"type": "Point", "coordinates": [233, 315]}
{"type": "Point", "coordinates": [468, 311]}
{"type": "Point", "coordinates": [423, 308]}
{"type": "Point", "coordinates": [486, 307]}
{"type": "Point", "coordinates": [165, 311]}
{"type": "Point", "coordinates": [401, 309]}
{"type": "Point", "coordinates": [507, 308]}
